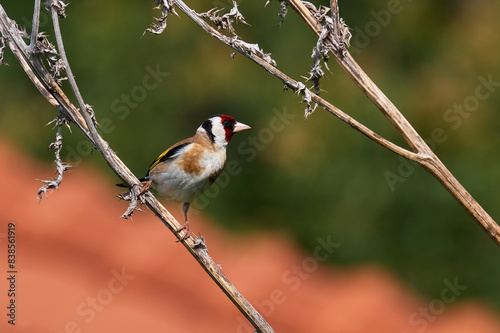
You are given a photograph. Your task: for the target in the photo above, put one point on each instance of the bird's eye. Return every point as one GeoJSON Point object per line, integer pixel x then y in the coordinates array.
{"type": "Point", "coordinates": [226, 123]}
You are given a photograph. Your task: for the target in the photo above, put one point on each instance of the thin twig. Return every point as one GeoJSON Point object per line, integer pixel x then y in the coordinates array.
{"type": "Point", "coordinates": [54, 8]}
{"type": "Point", "coordinates": [425, 156]}
{"type": "Point", "coordinates": [334, 6]}
{"type": "Point", "coordinates": [35, 24]}
{"type": "Point", "coordinates": [53, 183]}
{"type": "Point", "coordinates": [2, 50]}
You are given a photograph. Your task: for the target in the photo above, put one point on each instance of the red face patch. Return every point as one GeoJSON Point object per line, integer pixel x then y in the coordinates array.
{"type": "Point", "coordinates": [228, 124]}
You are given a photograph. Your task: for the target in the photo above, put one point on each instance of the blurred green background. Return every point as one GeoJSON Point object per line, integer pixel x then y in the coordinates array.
{"type": "Point", "coordinates": [303, 178]}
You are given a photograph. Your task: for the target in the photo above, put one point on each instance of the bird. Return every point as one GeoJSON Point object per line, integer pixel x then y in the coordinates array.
{"type": "Point", "coordinates": [188, 168]}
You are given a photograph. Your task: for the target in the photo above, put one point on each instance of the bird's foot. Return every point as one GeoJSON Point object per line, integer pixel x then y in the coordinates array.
{"type": "Point", "coordinates": [186, 234]}
{"type": "Point", "coordinates": [145, 187]}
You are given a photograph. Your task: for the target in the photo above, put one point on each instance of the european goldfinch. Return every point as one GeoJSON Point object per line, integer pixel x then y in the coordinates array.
{"type": "Point", "coordinates": [186, 169]}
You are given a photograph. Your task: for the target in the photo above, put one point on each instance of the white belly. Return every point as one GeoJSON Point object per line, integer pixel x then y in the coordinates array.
{"type": "Point", "coordinates": [176, 185]}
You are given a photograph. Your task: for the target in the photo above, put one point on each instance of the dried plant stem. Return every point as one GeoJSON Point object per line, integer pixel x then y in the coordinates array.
{"type": "Point", "coordinates": [420, 151]}
{"type": "Point", "coordinates": [334, 5]}
{"type": "Point", "coordinates": [36, 23]}
{"type": "Point", "coordinates": [41, 78]}
{"type": "Point", "coordinates": [291, 83]}
{"type": "Point", "coordinates": [424, 155]}
{"type": "Point", "coordinates": [53, 184]}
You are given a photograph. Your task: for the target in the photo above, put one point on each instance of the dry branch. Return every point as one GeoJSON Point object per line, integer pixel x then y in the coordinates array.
{"type": "Point", "coordinates": [424, 155]}
{"type": "Point", "coordinates": [335, 35]}
{"type": "Point", "coordinates": [46, 82]}
{"type": "Point", "coordinates": [53, 184]}
{"type": "Point", "coordinates": [263, 59]}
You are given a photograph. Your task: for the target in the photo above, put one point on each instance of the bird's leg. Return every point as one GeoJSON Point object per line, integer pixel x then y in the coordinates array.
{"type": "Point", "coordinates": [185, 208]}
{"type": "Point", "coordinates": [145, 187]}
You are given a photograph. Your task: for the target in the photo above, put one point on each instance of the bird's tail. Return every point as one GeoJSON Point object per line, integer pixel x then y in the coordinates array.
{"type": "Point", "coordinates": [143, 179]}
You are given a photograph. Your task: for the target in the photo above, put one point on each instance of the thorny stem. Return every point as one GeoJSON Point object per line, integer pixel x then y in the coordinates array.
{"type": "Point", "coordinates": [71, 78]}
{"type": "Point", "coordinates": [2, 49]}
{"type": "Point", "coordinates": [196, 247]}
{"type": "Point", "coordinates": [40, 76]}
{"type": "Point", "coordinates": [102, 146]}
{"type": "Point", "coordinates": [364, 82]}
{"type": "Point", "coordinates": [54, 183]}
{"type": "Point", "coordinates": [291, 83]}
{"type": "Point", "coordinates": [423, 154]}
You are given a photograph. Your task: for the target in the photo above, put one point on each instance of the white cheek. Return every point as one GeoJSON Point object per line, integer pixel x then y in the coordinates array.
{"type": "Point", "coordinates": [219, 134]}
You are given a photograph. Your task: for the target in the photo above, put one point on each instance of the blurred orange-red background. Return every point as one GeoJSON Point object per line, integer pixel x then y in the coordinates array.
{"type": "Point", "coordinates": [313, 231]}
{"type": "Point", "coordinates": [82, 268]}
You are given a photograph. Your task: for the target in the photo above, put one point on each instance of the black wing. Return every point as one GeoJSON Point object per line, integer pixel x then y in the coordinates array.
{"type": "Point", "coordinates": [167, 154]}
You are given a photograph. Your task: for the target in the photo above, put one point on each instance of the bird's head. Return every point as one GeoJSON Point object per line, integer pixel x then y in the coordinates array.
{"type": "Point", "coordinates": [221, 128]}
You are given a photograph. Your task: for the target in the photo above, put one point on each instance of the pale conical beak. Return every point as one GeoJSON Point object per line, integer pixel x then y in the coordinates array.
{"type": "Point", "coordinates": [240, 127]}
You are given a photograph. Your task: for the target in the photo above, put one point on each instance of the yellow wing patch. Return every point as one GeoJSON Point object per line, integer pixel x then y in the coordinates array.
{"type": "Point", "coordinates": [158, 159]}
{"type": "Point", "coordinates": [167, 154]}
